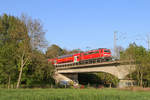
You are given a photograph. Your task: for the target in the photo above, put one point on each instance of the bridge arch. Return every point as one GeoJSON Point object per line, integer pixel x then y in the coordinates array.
{"type": "Point", "coordinates": [98, 78]}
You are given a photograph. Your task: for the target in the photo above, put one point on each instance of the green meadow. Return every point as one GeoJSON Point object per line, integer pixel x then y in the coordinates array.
{"type": "Point", "coordinates": [72, 94]}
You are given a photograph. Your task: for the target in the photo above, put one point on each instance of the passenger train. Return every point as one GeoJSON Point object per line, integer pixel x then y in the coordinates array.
{"type": "Point", "coordinates": [92, 56]}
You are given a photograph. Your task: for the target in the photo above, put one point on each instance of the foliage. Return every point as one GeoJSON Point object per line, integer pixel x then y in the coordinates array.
{"type": "Point", "coordinates": [39, 70]}
{"type": "Point", "coordinates": [88, 78]}
{"type": "Point", "coordinates": [54, 51]}
{"type": "Point", "coordinates": [140, 57]}
{"type": "Point", "coordinates": [13, 35]}
{"type": "Point", "coordinates": [35, 32]}
{"type": "Point", "coordinates": [106, 79]}
{"type": "Point", "coordinates": [72, 51]}
{"type": "Point", "coordinates": [20, 61]}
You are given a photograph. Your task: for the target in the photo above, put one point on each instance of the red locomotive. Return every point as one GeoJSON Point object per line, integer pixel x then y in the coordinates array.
{"type": "Point", "coordinates": [98, 55]}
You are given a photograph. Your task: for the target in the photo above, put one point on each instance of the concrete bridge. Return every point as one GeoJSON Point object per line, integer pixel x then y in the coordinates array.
{"type": "Point", "coordinates": [116, 68]}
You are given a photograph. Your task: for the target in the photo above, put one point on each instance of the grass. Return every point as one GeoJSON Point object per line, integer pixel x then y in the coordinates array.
{"type": "Point", "coordinates": [72, 94]}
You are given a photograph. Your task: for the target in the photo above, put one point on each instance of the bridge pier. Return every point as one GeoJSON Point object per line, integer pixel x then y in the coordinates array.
{"type": "Point", "coordinates": [126, 83]}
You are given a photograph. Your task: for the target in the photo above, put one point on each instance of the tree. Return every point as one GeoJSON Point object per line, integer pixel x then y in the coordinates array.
{"type": "Point", "coordinates": [118, 50]}
{"type": "Point", "coordinates": [88, 79]}
{"type": "Point", "coordinates": [35, 38]}
{"type": "Point", "coordinates": [129, 55]}
{"type": "Point", "coordinates": [107, 78]}
{"type": "Point", "coordinates": [72, 51]}
{"type": "Point", "coordinates": [23, 57]}
{"type": "Point", "coordinates": [9, 37]}
{"type": "Point", "coordinates": [17, 51]}
{"type": "Point", "coordinates": [39, 71]}
{"type": "Point", "coordinates": [35, 32]}
{"type": "Point", "coordinates": [98, 78]}
{"type": "Point", "coordinates": [54, 51]}
{"type": "Point", "coordinates": [12, 35]}
{"type": "Point", "coordinates": [7, 66]}
{"type": "Point", "coordinates": [140, 57]}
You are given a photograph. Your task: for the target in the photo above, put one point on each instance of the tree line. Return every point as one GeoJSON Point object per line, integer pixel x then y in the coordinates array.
{"type": "Point", "coordinates": [22, 60]}
{"type": "Point", "coordinates": [24, 53]}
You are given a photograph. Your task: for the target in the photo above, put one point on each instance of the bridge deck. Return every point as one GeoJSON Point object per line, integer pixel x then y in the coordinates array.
{"type": "Point", "coordinates": [91, 64]}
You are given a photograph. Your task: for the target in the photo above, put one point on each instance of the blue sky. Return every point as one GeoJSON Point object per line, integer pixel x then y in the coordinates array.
{"type": "Point", "coordinates": [75, 24]}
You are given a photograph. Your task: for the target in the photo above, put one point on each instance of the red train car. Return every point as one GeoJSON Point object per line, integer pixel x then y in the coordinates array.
{"type": "Point", "coordinates": [97, 55]}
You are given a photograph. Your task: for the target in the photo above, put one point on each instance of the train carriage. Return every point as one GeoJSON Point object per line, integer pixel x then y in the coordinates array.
{"type": "Point", "coordinates": [98, 55]}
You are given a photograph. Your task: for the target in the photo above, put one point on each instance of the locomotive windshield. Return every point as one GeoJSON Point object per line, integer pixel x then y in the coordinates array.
{"type": "Point", "coordinates": [108, 51]}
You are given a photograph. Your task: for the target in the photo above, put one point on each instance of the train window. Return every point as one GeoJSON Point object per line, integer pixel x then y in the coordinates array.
{"type": "Point", "coordinates": [88, 53]}
{"type": "Point", "coordinates": [65, 56]}
{"type": "Point", "coordinates": [108, 51]}
{"type": "Point", "coordinates": [95, 52]}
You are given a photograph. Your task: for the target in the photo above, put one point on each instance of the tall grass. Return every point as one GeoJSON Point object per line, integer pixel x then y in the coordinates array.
{"type": "Point", "coordinates": [71, 94]}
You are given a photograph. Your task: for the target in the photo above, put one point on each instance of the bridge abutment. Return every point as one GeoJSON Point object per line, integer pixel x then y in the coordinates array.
{"type": "Point", "coordinates": [72, 76]}
{"type": "Point", "coordinates": [126, 83]}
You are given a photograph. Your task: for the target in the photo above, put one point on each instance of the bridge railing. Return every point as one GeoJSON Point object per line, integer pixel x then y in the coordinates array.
{"type": "Point", "coordinates": [77, 65]}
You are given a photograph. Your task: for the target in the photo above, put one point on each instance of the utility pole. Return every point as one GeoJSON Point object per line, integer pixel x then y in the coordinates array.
{"type": "Point", "coordinates": [115, 39]}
